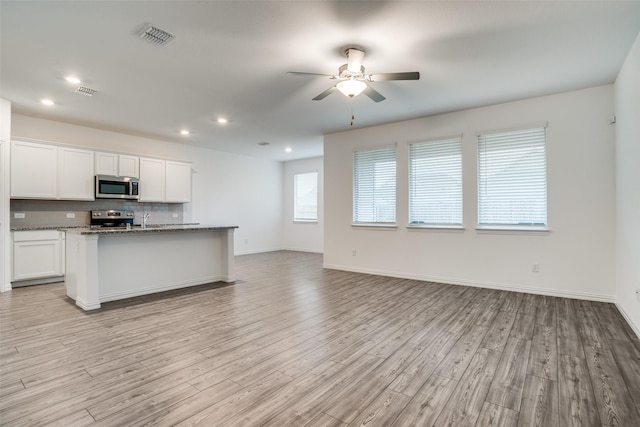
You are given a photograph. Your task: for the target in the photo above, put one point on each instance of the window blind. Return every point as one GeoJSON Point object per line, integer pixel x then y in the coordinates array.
{"type": "Point", "coordinates": [435, 182]}
{"type": "Point", "coordinates": [374, 185]}
{"type": "Point", "coordinates": [512, 178]}
{"type": "Point", "coordinates": [305, 204]}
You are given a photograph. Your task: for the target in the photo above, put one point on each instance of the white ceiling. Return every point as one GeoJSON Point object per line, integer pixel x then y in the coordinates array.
{"type": "Point", "coordinates": [229, 58]}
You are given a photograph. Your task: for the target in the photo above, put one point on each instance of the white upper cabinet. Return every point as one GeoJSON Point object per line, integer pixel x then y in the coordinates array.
{"type": "Point", "coordinates": [152, 180]}
{"type": "Point", "coordinates": [165, 181]}
{"type": "Point", "coordinates": [34, 170]}
{"type": "Point", "coordinates": [75, 174]}
{"type": "Point", "coordinates": [42, 171]}
{"type": "Point", "coordinates": [177, 182]}
{"type": "Point", "coordinates": [117, 164]}
{"type": "Point", "coordinates": [128, 166]}
{"type": "Point", "coordinates": [46, 171]}
{"type": "Point", "coordinates": [106, 164]}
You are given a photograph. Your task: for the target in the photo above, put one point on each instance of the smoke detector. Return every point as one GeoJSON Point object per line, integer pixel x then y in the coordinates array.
{"type": "Point", "coordinates": [155, 35]}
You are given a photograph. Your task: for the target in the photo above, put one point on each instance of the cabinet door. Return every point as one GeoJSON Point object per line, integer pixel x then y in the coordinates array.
{"type": "Point", "coordinates": [177, 182]}
{"type": "Point", "coordinates": [128, 166]}
{"type": "Point", "coordinates": [152, 180]}
{"type": "Point", "coordinates": [36, 259]}
{"type": "Point", "coordinates": [76, 174]}
{"type": "Point", "coordinates": [106, 164]}
{"type": "Point", "coordinates": [34, 169]}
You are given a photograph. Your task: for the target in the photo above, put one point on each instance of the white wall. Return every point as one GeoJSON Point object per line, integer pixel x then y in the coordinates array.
{"type": "Point", "coordinates": [227, 189]}
{"type": "Point", "coordinates": [576, 258]}
{"type": "Point", "coordinates": [627, 92]}
{"type": "Point", "coordinates": [298, 236]}
{"type": "Point", "coordinates": [5, 238]}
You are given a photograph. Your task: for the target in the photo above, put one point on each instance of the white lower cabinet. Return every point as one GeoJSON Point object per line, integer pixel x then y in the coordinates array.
{"type": "Point", "coordinates": [37, 254]}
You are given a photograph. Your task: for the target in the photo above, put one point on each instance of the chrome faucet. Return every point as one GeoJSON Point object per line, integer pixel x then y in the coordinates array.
{"type": "Point", "coordinates": [145, 217]}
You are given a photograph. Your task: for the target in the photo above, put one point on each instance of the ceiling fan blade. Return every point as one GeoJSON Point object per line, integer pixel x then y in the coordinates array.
{"type": "Point", "coordinates": [298, 73]}
{"type": "Point", "coordinates": [374, 94]}
{"type": "Point", "coordinates": [354, 60]}
{"type": "Point", "coordinates": [324, 94]}
{"type": "Point", "coordinates": [413, 75]}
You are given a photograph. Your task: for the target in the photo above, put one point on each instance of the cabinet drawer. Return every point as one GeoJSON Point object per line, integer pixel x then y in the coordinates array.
{"type": "Point", "coordinates": [33, 235]}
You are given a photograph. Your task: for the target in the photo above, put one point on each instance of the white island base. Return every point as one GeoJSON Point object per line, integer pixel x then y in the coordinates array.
{"type": "Point", "coordinates": [108, 265]}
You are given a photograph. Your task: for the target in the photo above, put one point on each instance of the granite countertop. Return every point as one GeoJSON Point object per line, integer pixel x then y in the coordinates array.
{"type": "Point", "coordinates": [85, 229]}
{"type": "Point", "coordinates": [46, 227]}
{"type": "Point", "coordinates": [109, 231]}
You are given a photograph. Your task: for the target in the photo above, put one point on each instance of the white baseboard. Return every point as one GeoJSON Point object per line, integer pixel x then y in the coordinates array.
{"type": "Point", "coordinates": [636, 328]}
{"type": "Point", "coordinates": [256, 251]}
{"type": "Point", "coordinates": [261, 251]}
{"type": "Point", "coordinates": [160, 288]}
{"type": "Point", "coordinates": [309, 250]}
{"type": "Point", "coordinates": [479, 284]}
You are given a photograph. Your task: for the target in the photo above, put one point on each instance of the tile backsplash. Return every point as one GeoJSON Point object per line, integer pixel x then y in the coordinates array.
{"type": "Point", "coordinates": [63, 213]}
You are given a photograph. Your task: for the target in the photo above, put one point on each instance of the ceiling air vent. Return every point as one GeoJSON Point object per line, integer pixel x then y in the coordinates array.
{"type": "Point", "coordinates": [156, 36]}
{"type": "Point", "coordinates": [87, 91]}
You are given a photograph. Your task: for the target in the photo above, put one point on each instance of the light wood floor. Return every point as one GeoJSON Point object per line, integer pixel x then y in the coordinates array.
{"type": "Point", "coordinates": [293, 344]}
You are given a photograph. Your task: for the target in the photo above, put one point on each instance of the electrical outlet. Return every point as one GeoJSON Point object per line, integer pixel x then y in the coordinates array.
{"type": "Point", "coordinates": [353, 252]}
{"type": "Point", "coordinates": [246, 241]}
{"type": "Point", "coordinates": [174, 215]}
{"type": "Point", "coordinates": [19, 215]}
{"type": "Point", "coordinates": [71, 215]}
{"type": "Point", "coordinates": [535, 268]}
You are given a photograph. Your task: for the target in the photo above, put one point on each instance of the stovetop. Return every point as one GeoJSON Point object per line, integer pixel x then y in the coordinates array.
{"type": "Point", "coordinates": [111, 218]}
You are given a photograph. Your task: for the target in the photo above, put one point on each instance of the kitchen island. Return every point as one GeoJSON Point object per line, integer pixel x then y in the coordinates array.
{"type": "Point", "coordinates": [108, 264]}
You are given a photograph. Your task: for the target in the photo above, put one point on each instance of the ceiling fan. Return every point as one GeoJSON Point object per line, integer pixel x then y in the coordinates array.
{"type": "Point", "coordinates": [353, 80]}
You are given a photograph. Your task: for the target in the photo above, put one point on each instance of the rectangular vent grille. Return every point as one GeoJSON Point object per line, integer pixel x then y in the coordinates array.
{"type": "Point", "coordinates": [82, 90]}
{"type": "Point", "coordinates": [156, 36]}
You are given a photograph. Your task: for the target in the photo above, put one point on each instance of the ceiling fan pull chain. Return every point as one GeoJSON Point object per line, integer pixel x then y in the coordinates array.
{"type": "Point", "coordinates": [353, 117]}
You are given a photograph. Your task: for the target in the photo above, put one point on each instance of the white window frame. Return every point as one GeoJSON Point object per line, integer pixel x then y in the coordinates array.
{"type": "Point", "coordinates": [505, 158]}
{"type": "Point", "coordinates": [298, 205]}
{"type": "Point", "coordinates": [435, 183]}
{"type": "Point", "coordinates": [374, 187]}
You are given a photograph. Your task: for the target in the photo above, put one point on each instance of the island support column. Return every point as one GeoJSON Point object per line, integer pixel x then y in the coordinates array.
{"type": "Point", "coordinates": [81, 276]}
{"type": "Point", "coordinates": [228, 263]}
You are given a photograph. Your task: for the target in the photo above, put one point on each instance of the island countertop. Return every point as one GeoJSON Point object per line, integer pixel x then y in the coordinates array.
{"type": "Point", "coordinates": [136, 229]}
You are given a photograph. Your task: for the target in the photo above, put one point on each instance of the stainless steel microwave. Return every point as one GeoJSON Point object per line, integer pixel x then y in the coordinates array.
{"type": "Point", "coordinates": [117, 187]}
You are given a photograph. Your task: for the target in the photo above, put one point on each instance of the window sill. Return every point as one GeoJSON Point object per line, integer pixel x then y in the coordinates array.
{"type": "Point", "coordinates": [305, 221]}
{"type": "Point", "coordinates": [377, 226]}
{"type": "Point", "coordinates": [531, 231]}
{"type": "Point", "coordinates": [437, 228]}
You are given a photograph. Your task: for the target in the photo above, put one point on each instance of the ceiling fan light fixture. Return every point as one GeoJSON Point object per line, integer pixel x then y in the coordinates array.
{"type": "Point", "coordinates": [351, 88]}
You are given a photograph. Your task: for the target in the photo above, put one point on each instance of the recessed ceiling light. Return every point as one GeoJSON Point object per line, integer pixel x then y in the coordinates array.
{"type": "Point", "coordinates": [47, 102]}
{"type": "Point", "coordinates": [222, 120]}
{"type": "Point", "coordinates": [288, 149]}
{"type": "Point", "coordinates": [184, 132]}
{"type": "Point", "coordinates": [72, 79]}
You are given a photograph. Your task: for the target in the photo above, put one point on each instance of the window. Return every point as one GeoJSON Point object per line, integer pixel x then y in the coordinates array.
{"type": "Point", "coordinates": [305, 199]}
{"type": "Point", "coordinates": [512, 183]}
{"type": "Point", "coordinates": [374, 185]}
{"type": "Point", "coordinates": [435, 183]}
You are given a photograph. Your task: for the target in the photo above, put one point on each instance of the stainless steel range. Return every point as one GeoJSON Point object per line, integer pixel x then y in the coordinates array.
{"type": "Point", "coordinates": [111, 218]}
